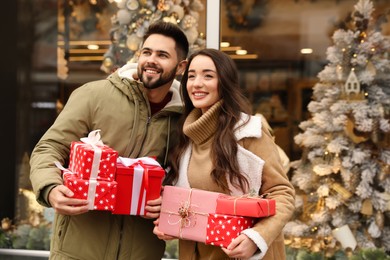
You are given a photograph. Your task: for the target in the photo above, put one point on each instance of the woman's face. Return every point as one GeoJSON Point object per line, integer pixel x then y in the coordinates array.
{"type": "Point", "coordinates": [202, 84]}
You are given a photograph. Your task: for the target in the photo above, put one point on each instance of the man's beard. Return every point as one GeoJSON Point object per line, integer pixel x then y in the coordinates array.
{"type": "Point", "coordinates": [162, 80]}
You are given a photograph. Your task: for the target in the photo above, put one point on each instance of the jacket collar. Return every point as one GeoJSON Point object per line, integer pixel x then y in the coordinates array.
{"type": "Point", "coordinates": [251, 129]}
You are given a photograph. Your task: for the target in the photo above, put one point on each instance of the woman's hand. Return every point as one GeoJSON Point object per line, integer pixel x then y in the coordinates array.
{"type": "Point", "coordinates": [241, 247]}
{"type": "Point", "coordinates": [160, 234]}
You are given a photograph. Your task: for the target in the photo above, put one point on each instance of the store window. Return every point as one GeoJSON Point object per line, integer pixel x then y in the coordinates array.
{"type": "Point", "coordinates": [279, 47]}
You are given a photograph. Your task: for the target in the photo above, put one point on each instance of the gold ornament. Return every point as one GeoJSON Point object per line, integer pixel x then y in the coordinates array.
{"type": "Point", "coordinates": [345, 194]}
{"type": "Point", "coordinates": [320, 205]}
{"type": "Point", "coordinates": [353, 134]}
{"type": "Point", "coordinates": [367, 208]}
{"type": "Point", "coordinates": [309, 206]}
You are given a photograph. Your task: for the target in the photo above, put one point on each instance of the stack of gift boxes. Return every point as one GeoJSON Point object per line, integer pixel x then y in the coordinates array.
{"type": "Point", "coordinates": [123, 185]}
{"type": "Point", "coordinates": [108, 182]}
{"type": "Point", "coordinates": [91, 174]}
{"type": "Point", "coordinates": [209, 217]}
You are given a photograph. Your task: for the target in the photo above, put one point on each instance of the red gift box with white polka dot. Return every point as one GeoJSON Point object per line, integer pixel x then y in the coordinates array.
{"type": "Point", "coordinates": [100, 194]}
{"type": "Point", "coordinates": [96, 162]}
{"type": "Point", "coordinates": [222, 229]}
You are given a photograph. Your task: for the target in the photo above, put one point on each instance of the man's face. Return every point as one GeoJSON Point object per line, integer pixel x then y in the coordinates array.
{"type": "Point", "coordinates": [158, 61]}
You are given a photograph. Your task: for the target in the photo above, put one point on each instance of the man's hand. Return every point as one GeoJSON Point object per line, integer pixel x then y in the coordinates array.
{"type": "Point", "coordinates": [153, 208]}
{"type": "Point", "coordinates": [61, 200]}
{"type": "Point", "coordinates": [241, 247]}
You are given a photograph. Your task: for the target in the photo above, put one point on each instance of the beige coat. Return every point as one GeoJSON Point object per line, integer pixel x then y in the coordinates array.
{"type": "Point", "coordinates": [258, 156]}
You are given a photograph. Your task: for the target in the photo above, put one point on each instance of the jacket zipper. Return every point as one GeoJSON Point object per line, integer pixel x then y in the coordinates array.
{"type": "Point", "coordinates": [145, 134]}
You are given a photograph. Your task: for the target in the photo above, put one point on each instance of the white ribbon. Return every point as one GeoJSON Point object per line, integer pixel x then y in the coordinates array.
{"type": "Point", "coordinates": [93, 140]}
{"type": "Point", "coordinates": [65, 171]}
{"type": "Point", "coordinates": [137, 184]}
{"type": "Point", "coordinates": [130, 161]}
{"type": "Point", "coordinates": [91, 193]}
{"type": "Point", "coordinates": [91, 186]}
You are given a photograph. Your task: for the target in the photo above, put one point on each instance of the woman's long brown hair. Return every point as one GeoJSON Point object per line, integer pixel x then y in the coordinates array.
{"type": "Point", "coordinates": [224, 147]}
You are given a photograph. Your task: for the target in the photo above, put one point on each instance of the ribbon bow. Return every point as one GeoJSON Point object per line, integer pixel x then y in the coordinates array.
{"type": "Point", "coordinates": [186, 213]}
{"type": "Point", "coordinates": [93, 139]}
{"type": "Point", "coordinates": [142, 160]}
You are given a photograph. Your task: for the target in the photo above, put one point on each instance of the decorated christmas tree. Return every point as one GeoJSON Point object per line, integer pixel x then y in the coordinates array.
{"type": "Point", "coordinates": [343, 178]}
{"type": "Point", "coordinates": [134, 17]}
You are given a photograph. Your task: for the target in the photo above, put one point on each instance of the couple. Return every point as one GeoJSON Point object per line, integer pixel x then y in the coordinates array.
{"type": "Point", "coordinates": [145, 117]}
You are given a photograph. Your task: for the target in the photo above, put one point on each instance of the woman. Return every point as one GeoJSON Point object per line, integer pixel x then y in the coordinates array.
{"type": "Point", "coordinates": [224, 149]}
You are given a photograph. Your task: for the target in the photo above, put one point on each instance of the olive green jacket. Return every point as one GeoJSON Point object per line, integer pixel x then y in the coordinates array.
{"type": "Point", "coordinates": [118, 107]}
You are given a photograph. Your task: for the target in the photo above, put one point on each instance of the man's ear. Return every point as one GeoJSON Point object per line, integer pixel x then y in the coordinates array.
{"type": "Point", "coordinates": [181, 67]}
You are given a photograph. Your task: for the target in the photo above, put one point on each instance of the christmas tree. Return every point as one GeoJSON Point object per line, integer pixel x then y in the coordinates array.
{"type": "Point", "coordinates": [134, 17]}
{"type": "Point", "coordinates": [343, 178]}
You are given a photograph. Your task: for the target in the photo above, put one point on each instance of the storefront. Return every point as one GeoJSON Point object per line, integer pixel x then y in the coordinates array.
{"type": "Point", "coordinates": [51, 47]}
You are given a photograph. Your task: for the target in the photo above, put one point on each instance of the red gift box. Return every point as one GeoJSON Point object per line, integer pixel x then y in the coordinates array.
{"type": "Point", "coordinates": [139, 180]}
{"type": "Point", "coordinates": [245, 206]}
{"type": "Point", "coordinates": [222, 229]}
{"type": "Point", "coordinates": [91, 159]}
{"type": "Point", "coordinates": [190, 214]}
{"type": "Point", "coordinates": [100, 194]}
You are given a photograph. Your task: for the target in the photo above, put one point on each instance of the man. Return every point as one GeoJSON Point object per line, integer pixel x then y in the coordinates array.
{"type": "Point", "coordinates": [136, 119]}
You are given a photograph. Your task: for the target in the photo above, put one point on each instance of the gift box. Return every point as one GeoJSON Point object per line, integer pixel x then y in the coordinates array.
{"type": "Point", "coordinates": [190, 214]}
{"type": "Point", "coordinates": [222, 229]}
{"type": "Point", "coordinates": [100, 194]}
{"type": "Point", "coordinates": [245, 206]}
{"type": "Point", "coordinates": [139, 180]}
{"type": "Point", "coordinates": [91, 159]}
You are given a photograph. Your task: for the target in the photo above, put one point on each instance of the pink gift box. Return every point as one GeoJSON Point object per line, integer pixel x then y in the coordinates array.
{"type": "Point", "coordinates": [93, 161]}
{"type": "Point", "coordinates": [190, 214]}
{"type": "Point", "coordinates": [245, 206]}
{"type": "Point", "coordinates": [138, 182]}
{"type": "Point", "coordinates": [100, 194]}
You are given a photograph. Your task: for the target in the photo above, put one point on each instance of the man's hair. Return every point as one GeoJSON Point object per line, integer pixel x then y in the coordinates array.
{"type": "Point", "coordinates": [172, 31]}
